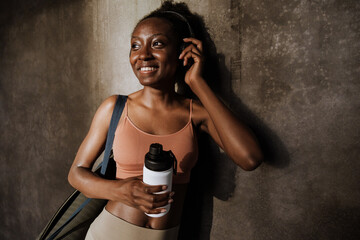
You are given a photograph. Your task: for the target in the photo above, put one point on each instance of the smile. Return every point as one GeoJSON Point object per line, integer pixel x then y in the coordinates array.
{"type": "Point", "coordinates": [148, 69]}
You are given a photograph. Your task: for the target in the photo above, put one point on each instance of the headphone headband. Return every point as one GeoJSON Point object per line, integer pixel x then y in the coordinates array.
{"type": "Point", "coordinates": [183, 19]}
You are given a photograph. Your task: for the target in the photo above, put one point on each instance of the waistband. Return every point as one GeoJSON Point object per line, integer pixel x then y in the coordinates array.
{"type": "Point", "coordinates": [109, 227]}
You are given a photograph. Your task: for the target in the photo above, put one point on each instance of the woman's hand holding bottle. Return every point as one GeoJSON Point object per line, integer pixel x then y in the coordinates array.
{"type": "Point", "coordinates": [133, 192]}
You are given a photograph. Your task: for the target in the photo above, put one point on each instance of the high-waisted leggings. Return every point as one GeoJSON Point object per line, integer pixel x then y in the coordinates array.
{"type": "Point", "coordinates": [109, 227]}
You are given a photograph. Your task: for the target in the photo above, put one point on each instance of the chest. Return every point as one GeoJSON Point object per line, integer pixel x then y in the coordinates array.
{"type": "Point", "coordinates": [131, 144]}
{"type": "Point", "coordinates": [159, 122]}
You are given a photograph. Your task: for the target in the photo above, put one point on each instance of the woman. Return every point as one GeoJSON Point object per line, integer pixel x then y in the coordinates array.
{"type": "Point", "coordinates": [157, 113]}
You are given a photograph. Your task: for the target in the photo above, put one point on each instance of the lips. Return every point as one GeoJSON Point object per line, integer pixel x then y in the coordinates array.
{"type": "Point", "coordinates": [147, 68]}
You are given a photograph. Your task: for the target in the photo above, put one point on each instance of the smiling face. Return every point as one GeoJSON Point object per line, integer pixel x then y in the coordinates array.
{"type": "Point", "coordinates": [154, 55]}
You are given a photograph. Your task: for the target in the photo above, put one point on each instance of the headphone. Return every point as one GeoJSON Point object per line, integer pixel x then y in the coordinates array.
{"type": "Point", "coordinates": [181, 17]}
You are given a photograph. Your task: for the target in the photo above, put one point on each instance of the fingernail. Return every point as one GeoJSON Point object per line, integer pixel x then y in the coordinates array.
{"type": "Point", "coordinates": [171, 200]}
{"type": "Point", "coordinates": [164, 187]}
{"type": "Point", "coordinates": [163, 210]}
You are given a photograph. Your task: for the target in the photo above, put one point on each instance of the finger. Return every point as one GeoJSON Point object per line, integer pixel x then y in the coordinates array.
{"type": "Point", "coordinates": [190, 48]}
{"type": "Point", "coordinates": [157, 200]}
{"type": "Point", "coordinates": [154, 198]}
{"type": "Point", "coordinates": [152, 211]}
{"type": "Point", "coordinates": [196, 51]}
{"type": "Point", "coordinates": [195, 41]}
{"type": "Point", "coordinates": [154, 189]}
{"type": "Point", "coordinates": [153, 205]}
{"type": "Point", "coordinates": [140, 177]}
{"type": "Point", "coordinates": [151, 193]}
{"type": "Point", "coordinates": [139, 185]}
{"type": "Point", "coordinates": [153, 202]}
{"type": "Point", "coordinates": [191, 55]}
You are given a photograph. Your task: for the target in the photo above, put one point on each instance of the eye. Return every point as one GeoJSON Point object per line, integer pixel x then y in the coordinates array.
{"type": "Point", "coordinates": [158, 44]}
{"type": "Point", "coordinates": [135, 46]}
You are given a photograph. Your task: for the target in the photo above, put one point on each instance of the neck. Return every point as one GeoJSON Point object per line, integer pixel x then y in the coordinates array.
{"type": "Point", "coordinates": [152, 97]}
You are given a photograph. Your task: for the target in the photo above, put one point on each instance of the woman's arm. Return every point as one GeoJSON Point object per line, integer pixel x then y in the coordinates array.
{"type": "Point", "coordinates": [80, 176]}
{"type": "Point", "coordinates": [227, 131]}
{"type": "Point", "coordinates": [131, 191]}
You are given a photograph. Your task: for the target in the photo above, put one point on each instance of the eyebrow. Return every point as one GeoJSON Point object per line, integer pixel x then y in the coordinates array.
{"type": "Point", "coordinates": [154, 35]}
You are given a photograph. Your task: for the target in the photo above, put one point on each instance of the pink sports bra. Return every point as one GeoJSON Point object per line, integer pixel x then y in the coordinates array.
{"type": "Point", "coordinates": [131, 144]}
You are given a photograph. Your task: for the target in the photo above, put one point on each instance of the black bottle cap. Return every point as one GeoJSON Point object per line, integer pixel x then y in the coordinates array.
{"type": "Point", "coordinates": [157, 159]}
{"type": "Point", "coordinates": [155, 149]}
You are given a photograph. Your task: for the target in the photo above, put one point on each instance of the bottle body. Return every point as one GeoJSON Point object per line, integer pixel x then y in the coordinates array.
{"type": "Point", "coordinates": [151, 177]}
{"type": "Point", "coordinates": [159, 167]}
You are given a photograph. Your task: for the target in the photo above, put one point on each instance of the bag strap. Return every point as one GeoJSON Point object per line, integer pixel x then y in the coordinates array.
{"type": "Point", "coordinates": [52, 237]}
{"type": "Point", "coordinates": [118, 109]}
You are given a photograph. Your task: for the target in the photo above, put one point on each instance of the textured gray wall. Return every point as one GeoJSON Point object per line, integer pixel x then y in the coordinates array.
{"type": "Point", "coordinates": [291, 70]}
{"type": "Point", "coordinates": [46, 107]}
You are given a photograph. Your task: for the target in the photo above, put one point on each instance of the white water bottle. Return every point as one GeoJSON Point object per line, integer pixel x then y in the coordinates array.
{"type": "Point", "coordinates": [158, 169]}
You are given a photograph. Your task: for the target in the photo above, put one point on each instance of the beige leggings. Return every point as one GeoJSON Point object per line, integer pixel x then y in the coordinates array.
{"type": "Point", "coordinates": [109, 227]}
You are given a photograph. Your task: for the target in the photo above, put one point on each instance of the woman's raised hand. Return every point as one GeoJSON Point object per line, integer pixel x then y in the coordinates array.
{"type": "Point", "coordinates": [193, 52]}
{"type": "Point", "coordinates": [133, 192]}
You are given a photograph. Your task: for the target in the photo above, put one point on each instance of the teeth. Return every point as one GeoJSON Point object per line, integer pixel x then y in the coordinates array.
{"type": "Point", "coordinates": [147, 69]}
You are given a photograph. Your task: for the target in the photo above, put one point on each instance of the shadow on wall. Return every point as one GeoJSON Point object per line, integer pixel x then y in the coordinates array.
{"type": "Point", "coordinates": [214, 174]}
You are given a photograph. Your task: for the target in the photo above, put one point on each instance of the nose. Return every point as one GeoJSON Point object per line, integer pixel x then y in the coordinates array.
{"type": "Point", "coordinates": [145, 53]}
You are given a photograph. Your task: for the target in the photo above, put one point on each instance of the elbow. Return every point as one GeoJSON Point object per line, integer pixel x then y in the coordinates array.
{"type": "Point", "coordinates": [76, 180]}
{"type": "Point", "coordinates": [250, 162]}
{"type": "Point", "coordinates": [72, 178]}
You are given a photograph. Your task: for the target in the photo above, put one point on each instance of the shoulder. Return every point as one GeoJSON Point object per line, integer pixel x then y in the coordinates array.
{"type": "Point", "coordinates": [107, 106]}
{"type": "Point", "coordinates": [105, 110]}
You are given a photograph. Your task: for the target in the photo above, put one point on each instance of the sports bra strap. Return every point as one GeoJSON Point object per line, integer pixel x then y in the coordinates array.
{"type": "Point", "coordinates": [191, 108]}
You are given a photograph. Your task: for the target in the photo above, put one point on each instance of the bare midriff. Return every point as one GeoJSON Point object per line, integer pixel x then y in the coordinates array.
{"type": "Point", "coordinates": [139, 218]}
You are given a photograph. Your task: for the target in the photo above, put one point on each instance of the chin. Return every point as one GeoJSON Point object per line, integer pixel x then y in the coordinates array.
{"type": "Point", "coordinates": [147, 82]}
{"type": "Point", "coordinates": [154, 84]}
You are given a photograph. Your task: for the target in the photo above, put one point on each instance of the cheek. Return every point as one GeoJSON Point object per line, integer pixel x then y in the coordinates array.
{"type": "Point", "coordinates": [132, 60]}
{"type": "Point", "coordinates": [171, 59]}
{"type": "Point", "coordinates": [171, 64]}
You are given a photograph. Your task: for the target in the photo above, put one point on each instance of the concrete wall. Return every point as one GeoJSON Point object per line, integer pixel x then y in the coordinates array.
{"type": "Point", "coordinates": [291, 70]}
